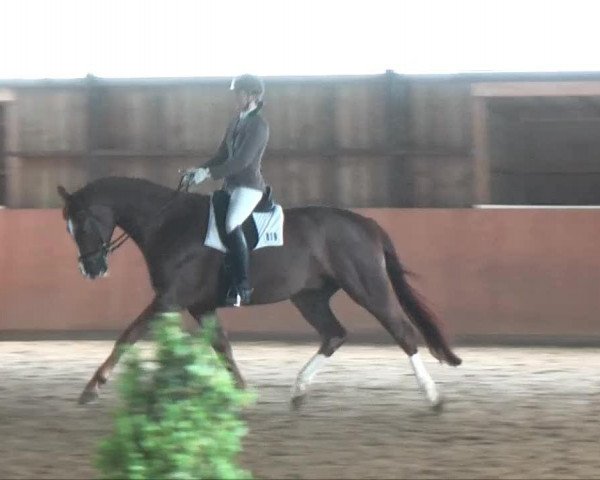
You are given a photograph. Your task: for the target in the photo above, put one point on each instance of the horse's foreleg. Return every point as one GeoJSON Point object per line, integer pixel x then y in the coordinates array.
{"type": "Point", "coordinates": [131, 334]}
{"type": "Point", "coordinates": [220, 343]}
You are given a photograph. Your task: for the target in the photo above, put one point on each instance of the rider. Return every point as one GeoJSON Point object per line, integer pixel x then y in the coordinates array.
{"type": "Point", "coordinates": [238, 162]}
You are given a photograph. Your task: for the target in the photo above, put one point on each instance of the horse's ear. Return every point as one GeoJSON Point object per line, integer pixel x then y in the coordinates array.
{"type": "Point", "coordinates": [63, 193]}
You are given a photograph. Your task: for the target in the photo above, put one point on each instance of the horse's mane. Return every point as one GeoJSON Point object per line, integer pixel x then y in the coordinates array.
{"type": "Point", "coordinates": [126, 186]}
{"type": "Point", "coordinates": [122, 183]}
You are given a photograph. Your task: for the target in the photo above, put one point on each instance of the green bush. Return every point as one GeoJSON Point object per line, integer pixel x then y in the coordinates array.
{"type": "Point", "coordinates": [179, 416]}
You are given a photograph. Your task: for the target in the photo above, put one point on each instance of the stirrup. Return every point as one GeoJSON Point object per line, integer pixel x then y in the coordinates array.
{"type": "Point", "coordinates": [234, 302]}
{"type": "Point", "coordinates": [235, 299]}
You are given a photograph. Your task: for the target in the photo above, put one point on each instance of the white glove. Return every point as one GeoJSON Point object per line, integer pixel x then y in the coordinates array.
{"type": "Point", "coordinates": [198, 175]}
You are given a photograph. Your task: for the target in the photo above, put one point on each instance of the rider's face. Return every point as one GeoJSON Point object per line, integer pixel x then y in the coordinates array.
{"type": "Point", "coordinates": [243, 100]}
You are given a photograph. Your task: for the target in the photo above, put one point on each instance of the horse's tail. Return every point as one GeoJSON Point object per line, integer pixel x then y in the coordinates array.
{"type": "Point", "coordinates": [425, 321]}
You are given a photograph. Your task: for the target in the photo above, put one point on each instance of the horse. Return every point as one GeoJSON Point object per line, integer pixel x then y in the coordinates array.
{"type": "Point", "coordinates": [325, 249]}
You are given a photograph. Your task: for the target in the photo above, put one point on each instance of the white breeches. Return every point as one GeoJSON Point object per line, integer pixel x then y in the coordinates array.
{"type": "Point", "coordinates": [242, 203]}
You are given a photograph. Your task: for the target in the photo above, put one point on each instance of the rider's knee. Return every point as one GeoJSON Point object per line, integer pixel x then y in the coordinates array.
{"type": "Point", "coordinates": [230, 224]}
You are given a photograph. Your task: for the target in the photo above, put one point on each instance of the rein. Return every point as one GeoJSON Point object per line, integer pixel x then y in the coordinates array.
{"type": "Point", "coordinates": [110, 247]}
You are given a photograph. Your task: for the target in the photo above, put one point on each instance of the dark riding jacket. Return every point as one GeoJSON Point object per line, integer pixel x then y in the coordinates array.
{"type": "Point", "coordinates": [238, 159]}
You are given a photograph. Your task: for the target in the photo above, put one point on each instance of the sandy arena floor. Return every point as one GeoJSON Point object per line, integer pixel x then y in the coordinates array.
{"type": "Point", "coordinates": [510, 413]}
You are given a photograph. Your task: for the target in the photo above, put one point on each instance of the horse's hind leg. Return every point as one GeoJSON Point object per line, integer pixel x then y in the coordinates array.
{"type": "Point", "coordinates": [131, 334]}
{"type": "Point", "coordinates": [221, 344]}
{"type": "Point", "coordinates": [366, 282]}
{"type": "Point", "coordinates": [314, 306]}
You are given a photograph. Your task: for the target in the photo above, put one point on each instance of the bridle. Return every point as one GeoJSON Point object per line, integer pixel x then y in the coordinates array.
{"type": "Point", "coordinates": [106, 248]}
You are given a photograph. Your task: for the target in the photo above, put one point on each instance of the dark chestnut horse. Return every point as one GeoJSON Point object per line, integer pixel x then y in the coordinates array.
{"type": "Point", "coordinates": [326, 249]}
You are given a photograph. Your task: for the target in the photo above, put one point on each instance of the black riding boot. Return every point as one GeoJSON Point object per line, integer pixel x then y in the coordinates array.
{"type": "Point", "coordinates": [238, 293]}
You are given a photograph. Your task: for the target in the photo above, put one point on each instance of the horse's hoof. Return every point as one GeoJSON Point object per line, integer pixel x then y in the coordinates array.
{"type": "Point", "coordinates": [297, 402]}
{"type": "Point", "coordinates": [438, 405]}
{"type": "Point", "coordinates": [88, 396]}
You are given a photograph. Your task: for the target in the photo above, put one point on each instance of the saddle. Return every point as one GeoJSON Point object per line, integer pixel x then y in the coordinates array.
{"type": "Point", "coordinates": [220, 201]}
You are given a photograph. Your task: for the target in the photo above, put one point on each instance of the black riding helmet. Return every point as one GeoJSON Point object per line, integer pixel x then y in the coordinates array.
{"type": "Point", "coordinates": [250, 84]}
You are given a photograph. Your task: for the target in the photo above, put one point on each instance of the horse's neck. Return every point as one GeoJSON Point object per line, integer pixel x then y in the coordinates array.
{"type": "Point", "coordinates": [133, 221]}
{"type": "Point", "coordinates": [136, 208]}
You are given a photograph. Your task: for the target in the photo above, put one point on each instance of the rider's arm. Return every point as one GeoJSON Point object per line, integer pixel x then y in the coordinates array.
{"type": "Point", "coordinates": [252, 146]}
{"type": "Point", "coordinates": [220, 156]}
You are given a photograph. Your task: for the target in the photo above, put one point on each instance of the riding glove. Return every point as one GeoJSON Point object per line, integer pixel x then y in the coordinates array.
{"type": "Point", "coordinates": [198, 175]}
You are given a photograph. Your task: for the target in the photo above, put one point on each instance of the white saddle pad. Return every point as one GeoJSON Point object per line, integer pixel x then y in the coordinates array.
{"type": "Point", "coordinates": [268, 224]}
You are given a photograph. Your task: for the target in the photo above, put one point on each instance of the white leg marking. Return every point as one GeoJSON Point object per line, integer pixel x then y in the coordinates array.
{"type": "Point", "coordinates": [70, 227]}
{"type": "Point", "coordinates": [306, 375]}
{"type": "Point", "coordinates": [424, 379]}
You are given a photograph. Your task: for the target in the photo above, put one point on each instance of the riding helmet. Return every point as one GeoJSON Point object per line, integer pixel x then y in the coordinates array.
{"type": "Point", "coordinates": [250, 84]}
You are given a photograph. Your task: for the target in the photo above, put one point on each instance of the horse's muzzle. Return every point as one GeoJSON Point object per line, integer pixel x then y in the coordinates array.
{"type": "Point", "coordinates": [93, 270]}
